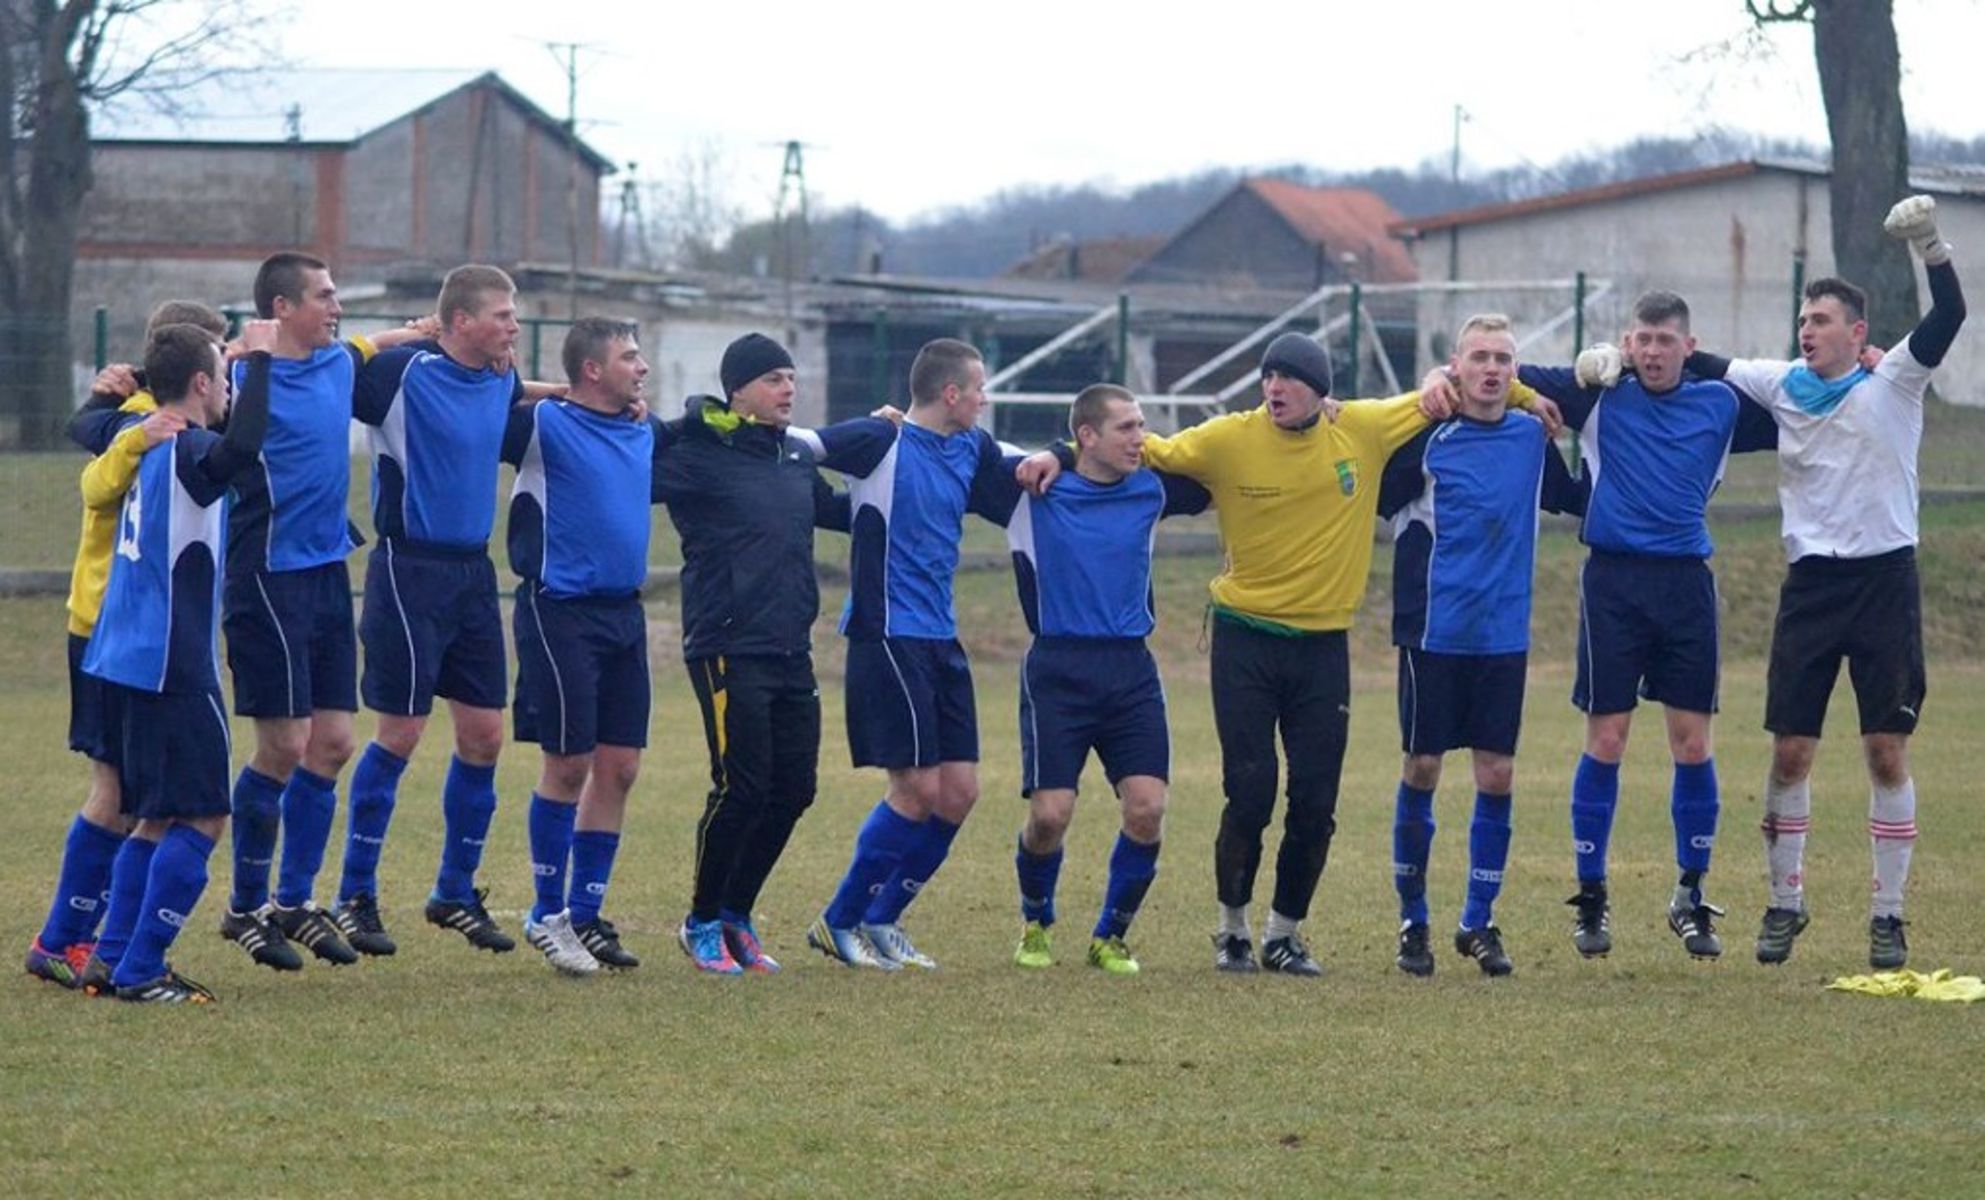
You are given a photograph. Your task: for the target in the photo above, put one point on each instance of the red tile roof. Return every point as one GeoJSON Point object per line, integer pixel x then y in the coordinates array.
{"type": "Point", "coordinates": [1353, 220]}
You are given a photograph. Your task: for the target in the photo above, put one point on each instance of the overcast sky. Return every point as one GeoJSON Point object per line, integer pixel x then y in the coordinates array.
{"type": "Point", "coordinates": [909, 108]}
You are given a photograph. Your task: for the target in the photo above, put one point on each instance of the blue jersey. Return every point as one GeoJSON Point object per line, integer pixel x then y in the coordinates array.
{"type": "Point", "coordinates": [436, 437]}
{"type": "Point", "coordinates": [579, 510]}
{"type": "Point", "coordinates": [909, 489]}
{"type": "Point", "coordinates": [1465, 532]}
{"type": "Point", "coordinates": [1654, 459]}
{"type": "Point", "coordinates": [288, 512]}
{"type": "Point", "coordinates": [161, 608]}
{"type": "Point", "coordinates": [1082, 552]}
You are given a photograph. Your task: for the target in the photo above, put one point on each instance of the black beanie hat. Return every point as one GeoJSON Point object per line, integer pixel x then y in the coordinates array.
{"type": "Point", "coordinates": [1298, 355]}
{"type": "Point", "coordinates": [746, 359]}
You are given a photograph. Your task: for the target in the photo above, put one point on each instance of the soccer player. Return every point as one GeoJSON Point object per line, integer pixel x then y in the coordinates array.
{"type": "Point", "coordinates": [587, 468]}
{"type": "Point", "coordinates": [1295, 482]}
{"type": "Point", "coordinates": [287, 612]}
{"type": "Point", "coordinates": [429, 619]}
{"type": "Point", "coordinates": [1655, 446]}
{"type": "Point", "coordinates": [61, 952]}
{"type": "Point", "coordinates": [1848, 438]}
{"type": "Point", "coordinates": [745, 496]}
{"type": "Point", "coordinates": [1082, 561]}
{"type": "Point", "coordinates": [1463, 497]}
{"type": "Point", "coordinates": [910, 705]}
{"type": "Point", "coordinates": [154, 647]}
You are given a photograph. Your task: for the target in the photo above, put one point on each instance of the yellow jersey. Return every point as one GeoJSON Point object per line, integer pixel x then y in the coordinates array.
{"type": "Point", "coordinates": [1297, 508]}
{"type": "Point", "coordinates": [104, 482]}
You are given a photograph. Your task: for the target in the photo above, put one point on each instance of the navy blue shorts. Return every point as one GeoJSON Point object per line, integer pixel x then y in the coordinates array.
{"type": "Point", "coordinates": [910, 703]}
{"type": "Point", "coordinates": [175, 753]}
{"type": "Point", "coordinates": [1646, 631]}
{"type": "Point", "coordinates": [1460, 701]}
{"type": "Point", "coordinates": [95, 725]}
{"type": "Point", "coordinates": [291, 646]}
{"type": "Point", "coordinates": [582, 671]}
{"type": "Point", "coordinates": [1083, 694]}
{"type": "Point", "coordinates": [431, 627]}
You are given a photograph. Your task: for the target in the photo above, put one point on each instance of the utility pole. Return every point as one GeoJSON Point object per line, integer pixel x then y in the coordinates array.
{"type": "Point", "coordinates": [630, 213]}
{"type": "Point", "coordinates": [792, 189]}
{"type": "Point", "coordinates": [1454, 158]}
{"type": "Point", "coordinates": [568, 55]}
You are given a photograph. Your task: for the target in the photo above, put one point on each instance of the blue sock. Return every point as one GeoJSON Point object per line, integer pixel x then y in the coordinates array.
{"type": "Point", "coordinates": [880, 845]}
{"type": "Point", "coordinates": [1038, 873]}
{"type": "Point", "coordinates": [86, 860]}
{"type": "Point", "coordinates": [375, 785]}
{"type": "Point", "coordinates": [258, 814]}
{"type": "Point", "coordinates": [1595, 792]}
{"type": "Point", "coordinates": [172, 888]}
{"type": "Point", "coordinates": [1694, 806]}
{"type": "Point", "coordinates": [592, 866]}
{"type": "Point", "coordinates": [1412, 842]}
{"type": "Point", "coordinates": [128, 872]}
{"type": "Point", "coordinates": [468, 804]}
{"type": "Point", "coordinates": [1133, 865]}
{"type": "Point", "coordinates": [1488, 853]}
{"type": "Point", "coordinates": [309, 804]}
{"type": "Point", "coordinates": [920, 862]}
{"type": "Point", "coordinates": [550, 825]}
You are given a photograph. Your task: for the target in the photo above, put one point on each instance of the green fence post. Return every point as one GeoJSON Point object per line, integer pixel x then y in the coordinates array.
{"type": "Point", "coordinates": [1123, 339]}
{"type": "Point", "coordinates": [1357, 318]}
{"type": "Point", "coordinates": [1577, 344]}
{"type": "Point", "coordinates": [878, 367]}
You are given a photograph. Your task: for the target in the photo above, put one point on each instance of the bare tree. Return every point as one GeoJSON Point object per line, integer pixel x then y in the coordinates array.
{"type": "Point", "coordinates": [59, 61]}
{"type": "Point", "coordinates": [1854, 46]}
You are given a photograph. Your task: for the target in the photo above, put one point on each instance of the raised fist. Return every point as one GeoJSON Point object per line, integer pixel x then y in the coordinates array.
{"type": "Point", "coordinates": [1915, 221]}
{"type": "Point", "coordinates": [1598, 365]}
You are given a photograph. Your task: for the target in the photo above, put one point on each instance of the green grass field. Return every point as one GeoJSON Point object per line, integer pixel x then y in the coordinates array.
{"type": "Point", "coordinates": [449, 1072]}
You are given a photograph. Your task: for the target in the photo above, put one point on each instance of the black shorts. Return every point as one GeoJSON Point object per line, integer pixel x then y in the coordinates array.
{"type": "Point", "coordinates": [582, 671]}
{"type": "Point", "coordinates": [431, 627]}
{"type": "Point", "coordinates": [176, 747]}
{"type": "Point", "coordinates": [1460, 701]}
{"type": "Point", "coordinates": [95, 722]}
{"type": "Point", "coordinates": [910, 703]}
{"type": "Point", "coordinates": [1866, 610]}
{"type": "Point", "coordinates": [1647, 630]}
{"type": "Point", "coordinates": [291, 646]}
{"type": "Point", "coordinates": [1083, 694]}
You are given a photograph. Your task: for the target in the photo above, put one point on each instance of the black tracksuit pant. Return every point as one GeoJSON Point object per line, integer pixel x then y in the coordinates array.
{"type": "Point", "coordinates": [1263, 682]}
{"type": "Point", "coordinates": [761, 722]}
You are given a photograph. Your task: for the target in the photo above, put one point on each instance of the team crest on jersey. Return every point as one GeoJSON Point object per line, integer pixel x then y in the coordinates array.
{"type": "Point", "coordinates": [1347, 476]}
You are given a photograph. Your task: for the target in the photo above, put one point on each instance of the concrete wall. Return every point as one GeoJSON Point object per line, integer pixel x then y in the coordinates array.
{"type": "Point", "coordinates": [1727, 247]}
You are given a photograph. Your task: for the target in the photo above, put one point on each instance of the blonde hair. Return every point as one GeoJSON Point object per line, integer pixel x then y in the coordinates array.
{"type": "Point", "coordinates": [1484, 323]}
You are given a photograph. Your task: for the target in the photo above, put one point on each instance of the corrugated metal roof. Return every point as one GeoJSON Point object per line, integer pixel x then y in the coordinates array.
{"type": "Point", "coordinates": [333, 105]}
{"type": "Point", "coordinates": [1943, 180]}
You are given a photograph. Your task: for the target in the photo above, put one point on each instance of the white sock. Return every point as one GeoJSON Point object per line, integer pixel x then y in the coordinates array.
{"type": "Point", "coordinates": [1279, 927]}
{"type": "Point", "coordinates": [1788, 814]}
{"type": "Point", "coordinates": [1892, 831]}
{"type": "Point", "coordinates": [1234, 922]}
